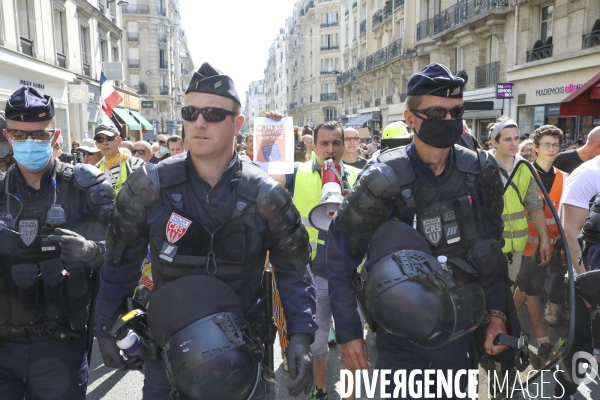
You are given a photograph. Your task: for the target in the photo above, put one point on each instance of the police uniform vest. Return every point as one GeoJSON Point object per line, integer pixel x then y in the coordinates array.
{"type": "Point", "coordinates": [515, 220]}
{"type": "Point", "coordinates": [449, 216]}
{"type": "Point", "coordinates": [33, 290]}
{"type": "Point", "coordinates": [306, 197]}
{"type": "Point", "coordinates": [126, 169]}
{"type": "Point", "coordinates": [533, 239]}
{"type": "Point", "coordinates": [181, 245]}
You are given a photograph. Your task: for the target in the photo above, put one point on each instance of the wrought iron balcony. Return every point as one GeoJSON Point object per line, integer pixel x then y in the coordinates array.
{"type": "Point", "coordinates": [363, 27]}
{"type": "Point", "coordinates": [27, 46]}
{"type": "Point", "coordinates": [133, 36]}
{"type": "Point", "coordinates": [377, 18]}
{"type": "Point", "coordinates": [402, 97]}
{"type": "Point", "coordinates": [330, 47]}
{"type": "Point", "coordinates": [329, 96]}
{"type": "Point", "coordinates": [330, 72]}
{"type": "Point", "coordinates": [360, 66]}
{"type": "Point", "coordinates": [456, 15]}
{"type": "Point", "coordinates": [346, 77]}
{"type": "Point", "coordinates": [367, 103]}
{"type": "Point", "coordinates": [163, 65]}
{"type": "Point", "coordinates": [162, 38]}
{"type": "Point", "coordinates": [141, 89]}
{"type": "Point", "coordinates": [310, 5]}
{"type": "Point", "coordinates": [293, 106]}
{"type": "Point", "coordinates": [591, 40]}
{"type": "Point", "coordinates": [487, 75]}
{"type": "Point", "coordinates": [387, 10]}
{"type": "Point", "coordinates": [389, 99]}
{"type": "Point", "coordinates": [540, 53]}
{"type": "Point", "coordinates": [164, 90]}
{"type": "Point", "coordinates": [136, 9]}
{"type": "Point", "coordinates": [133, 63]}
{"type": "Point", "coordinates": [330, 24]}
{"type": "Point", "coordinates": [61, 60]}
{"type": "Point", "coordinates": [378, 102]}
{"type": "Point", "coordinates": [398, 3]}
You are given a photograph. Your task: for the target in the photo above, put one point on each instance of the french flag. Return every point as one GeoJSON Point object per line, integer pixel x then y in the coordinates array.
{"type": "Point", "coordinates": [110, 97]}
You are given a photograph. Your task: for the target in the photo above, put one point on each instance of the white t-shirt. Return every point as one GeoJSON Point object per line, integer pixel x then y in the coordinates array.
{"type": "Point", "coordinates": [582, 184]}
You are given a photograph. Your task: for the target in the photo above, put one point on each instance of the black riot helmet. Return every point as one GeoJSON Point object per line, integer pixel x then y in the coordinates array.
{"type": "Point", "coordinates": [412, 295]}
{"type": "Point", "coordinates": [208, 349]}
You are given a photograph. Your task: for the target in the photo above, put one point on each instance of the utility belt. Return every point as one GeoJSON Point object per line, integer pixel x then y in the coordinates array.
{"type": "Point", "coordinates": [36, 294]}
{"type": "Point", "coordinates": [56, 329]}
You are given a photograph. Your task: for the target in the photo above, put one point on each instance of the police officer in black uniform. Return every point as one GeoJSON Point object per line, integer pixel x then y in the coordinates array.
{"type": "Point", "coordinates": [452, 196]}
{"type": "Point", "coordinates": [47, 210]}
{"type": "Point", "coordinates": [207, 212]}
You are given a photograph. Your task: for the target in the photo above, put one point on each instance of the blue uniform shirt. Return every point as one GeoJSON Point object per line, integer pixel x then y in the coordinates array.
{"type": "Point", "coordinates": [119, 282]}
{"type": "Point", "coordinates": [341, 265]}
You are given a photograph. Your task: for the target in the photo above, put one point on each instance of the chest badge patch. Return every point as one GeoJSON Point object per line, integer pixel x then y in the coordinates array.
{"type": "Point", "coordinates": [28, 230]}
{"type": "Point", "coordinates": [176, 227]}
{"type": "Point", "coordinates": [432, 229]}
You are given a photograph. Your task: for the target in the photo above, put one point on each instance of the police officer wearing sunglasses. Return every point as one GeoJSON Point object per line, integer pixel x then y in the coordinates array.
{"type": "Point", "coordinates": [207, 212]}
{"type": "Point", "coordinates": [453, 197]}
{"type": "Point", "coordinates": [50, 214]}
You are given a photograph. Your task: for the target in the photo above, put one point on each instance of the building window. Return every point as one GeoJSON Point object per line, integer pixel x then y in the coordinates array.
{"type": "Point", "coordinates": [103, 50]}
{"type": "Point", "coordinates": [59, 39]}
{"type": "Point", "coordinates": [84, 50]}
{"type": "Point", "coordinates": [161, 59]}
{"type": "Point", "coordinates": [25, 11]}
{"type": "Point", "coordinates": [115, 53]}
{"type": "Point", "coordinates": [546, 24]}
{"type": "Point", "coordinates": [330, 114]}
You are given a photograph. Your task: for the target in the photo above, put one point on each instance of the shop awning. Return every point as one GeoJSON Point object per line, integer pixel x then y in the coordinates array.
{"type": "Point", "coordinates": [143, 121]}
{"type": "Point", "coordinates": [584, 101]}
{"type": "Point", "coordinates": [359, 121]}
{"type": "Point", "coordinates": [127, 119]}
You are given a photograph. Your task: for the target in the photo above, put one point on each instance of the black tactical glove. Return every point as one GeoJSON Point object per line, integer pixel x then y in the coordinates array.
{"type": "Point", "coordinates": [74, 247]}
{"type": "Point", "coordinates": [112, 357]}
{"type": "Point", "coordinates": [489, 261]}
{"type": "Point", "coordinates": [300, 364]}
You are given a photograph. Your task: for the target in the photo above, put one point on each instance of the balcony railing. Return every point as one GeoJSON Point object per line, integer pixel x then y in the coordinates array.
{"type": "Point", "coordinates": [389, 99]}
{"type": "Point", "coordinates": [346, 77]}
{"type": "Point", "coordinates": [330, 72]}
{"type": "Point", "coordinates": [61, 60]}
{"type": "Point", "coordinates": [142, 89]}
{"type": "Point", "coordinates": [163, 66]}
{"type": "Point", "coordinates": [330, 24]}
{"type": "Point", "coordinates": [377, 102]}
{"type": "Point", "coordinates": [402, 97]}
{"type": "Point", "coordinates": [363, 27]}
{"type": "Point", "coordinates": [137, 9]}
{"type": "Point", "coordinates": [27, 46]}
{"type": "Point", "coordinates": [367, 103]}
{"type": "Point", "coordinates": [360, 66]}
{"type": "Point", "coordinates": [133, 63]}
{"type": "Point", "coordinates": [293, 105]}
{"type": "Point", "coordinates": [487, 75]}
{"type": "Point", "coordinates": [329, 96]}
{"type": "Point", "coordinates": [387, 10]}
{"type": "Point", "coordinates": [540, 53]}
{"type": "Point", "coordinates": [398, 3]}
{"type": "Point", "coordinates": [310, 5]}
{"type": "Point", "coordinates": [330, 47]}
{"type": "Point", "coordinates": [133, 36]}
{"type": "Point", "coordinates": [384, 55]}
{"type": "Point", "coordinates": [330, 118]}
{"type": "Point", "coordinates": [164, 90]}
{"type": "Point", "coordinates": [162, 38]}
{"type": "Point", "coordinates": [377, 19]}
{"type": "Point", "coordinates": [591, 40]}
{"type": "Point", "coordinates": [86, 70]}
{"type": "Point", "coordinates": [455, 15]}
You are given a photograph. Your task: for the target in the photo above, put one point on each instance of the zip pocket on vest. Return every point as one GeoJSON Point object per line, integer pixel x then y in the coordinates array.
{"type": "Point", "coordinates": [26, 303]}
{"type": "Point", "coordinates": [55, 296]}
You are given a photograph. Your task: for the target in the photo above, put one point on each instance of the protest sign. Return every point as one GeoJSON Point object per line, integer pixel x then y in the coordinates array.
{"type": "Point", "coordinates": [274, 145]}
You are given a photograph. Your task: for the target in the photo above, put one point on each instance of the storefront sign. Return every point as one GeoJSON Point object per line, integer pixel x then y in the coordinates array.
{"type": "Point", "coordinates": [376, 116]}
{"type": "Point", "coordinates": [553, 110]}
{"type": "Point", "coordinates": [78, 94]}
{"type": "Point", "coordinates": [504, 91]}
{"type": "Point", "coordinates": [558, 90]}
{"type": "Point", "coordinates": [147, 104]}
{"type": "Point", "coordinates": [113, 71]}
{"type": "Point", "coordinates": [32, 84]}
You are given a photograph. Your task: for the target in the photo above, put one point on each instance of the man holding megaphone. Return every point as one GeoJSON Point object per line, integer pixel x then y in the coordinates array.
{"type": "Point", "coordinates": [317, 188]}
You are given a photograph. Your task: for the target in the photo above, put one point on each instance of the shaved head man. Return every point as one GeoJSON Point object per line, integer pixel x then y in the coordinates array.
{"type": "Point", "coordinates": [126, 144]}
{"type": "Point", "coordinates": [569, 160]}
{"type": "Point", "coordinates": [351, 142]}
{"type": "Point", "coordinates": [143, 150]}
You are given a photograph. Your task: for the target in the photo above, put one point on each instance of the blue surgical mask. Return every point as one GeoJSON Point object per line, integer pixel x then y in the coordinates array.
{"type": "Point", "coordinates": [33, 155]}
{"type": "Point", "coordinates": [163, 150]}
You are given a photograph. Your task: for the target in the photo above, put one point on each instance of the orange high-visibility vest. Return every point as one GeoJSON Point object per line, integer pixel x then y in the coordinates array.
{"type": "Point", "coordinates": [533, 240]}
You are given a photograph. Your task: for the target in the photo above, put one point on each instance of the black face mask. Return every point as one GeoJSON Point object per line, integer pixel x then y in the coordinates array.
{"type": "Point", "coordinates": [440, 133]}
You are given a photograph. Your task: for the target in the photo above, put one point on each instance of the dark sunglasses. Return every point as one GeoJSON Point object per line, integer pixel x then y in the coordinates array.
{"type": "Point", "coordinates": [439, 112]}
{"type": "Point", "coordinates": [19, 135]}
{"type": "Point", "coordinates": [141, 152]}
{"type": "Point", "coordinates": [210, 114]}
{"type": "Point", "coordinates": [100, 139]}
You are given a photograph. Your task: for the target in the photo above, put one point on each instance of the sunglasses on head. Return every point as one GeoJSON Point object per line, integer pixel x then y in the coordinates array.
{"type": "Point", "coordinates": [19, 135]}
{"type": "Point", "coordinates": [100, 139]}
{"type": "Point", "coordinates": [210, 114]}
{"type": "Point", "coordinates": [439, 112]}
{"type": "Point", "coordinates": [141, 152]}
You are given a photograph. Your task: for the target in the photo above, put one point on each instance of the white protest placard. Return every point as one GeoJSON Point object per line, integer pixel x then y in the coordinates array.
{"type": "Point", "coordinates": [274, 145]}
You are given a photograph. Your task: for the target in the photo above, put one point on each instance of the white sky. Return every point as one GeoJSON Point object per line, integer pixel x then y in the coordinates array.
{"type": "Point", "coordinates": [234, 35]}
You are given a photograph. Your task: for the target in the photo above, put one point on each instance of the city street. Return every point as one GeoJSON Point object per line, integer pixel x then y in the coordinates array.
{"type": "Point", "coordinates": [109, 384]}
